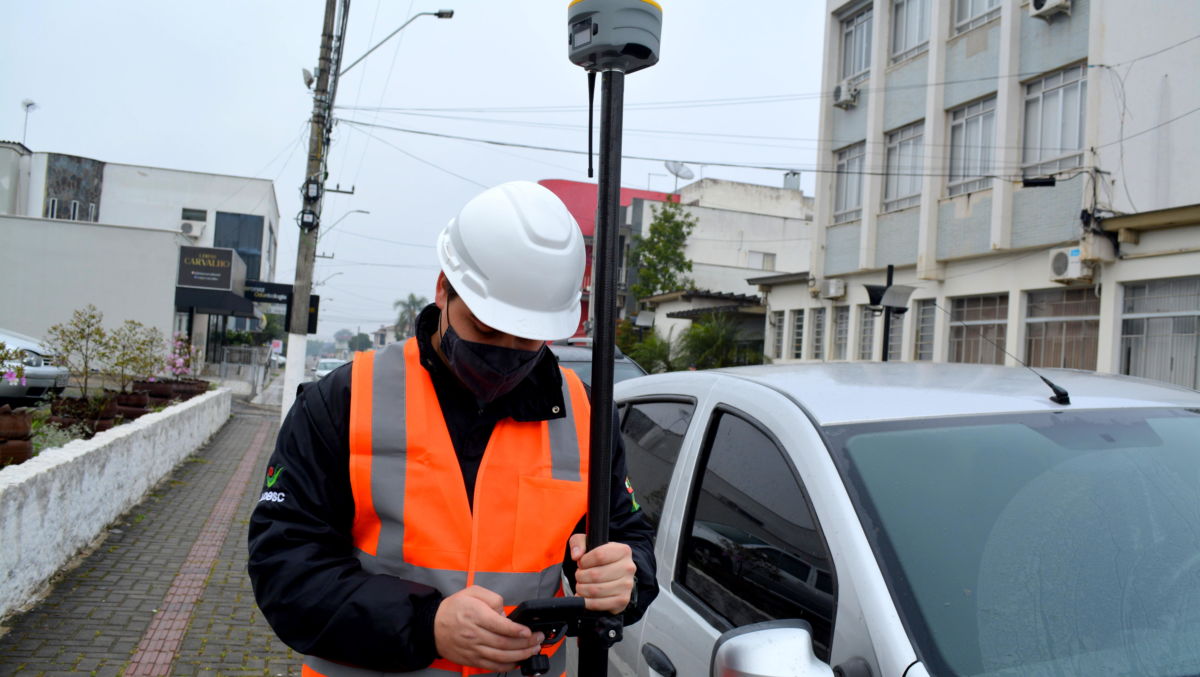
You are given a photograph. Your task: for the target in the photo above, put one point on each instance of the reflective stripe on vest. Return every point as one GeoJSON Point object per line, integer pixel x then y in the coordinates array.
{"type": "Point", "coordinates": [411, 515]}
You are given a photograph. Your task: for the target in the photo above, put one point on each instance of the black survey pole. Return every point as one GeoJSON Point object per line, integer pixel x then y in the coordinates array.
{"type": "Point", "coordinates": [887, 316]}
{"type": "Point", "coordinates": [593, 650]}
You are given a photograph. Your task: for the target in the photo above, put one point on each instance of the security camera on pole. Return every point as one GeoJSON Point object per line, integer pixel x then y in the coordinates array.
{"type": "Point", "coordinates": [612, 37]}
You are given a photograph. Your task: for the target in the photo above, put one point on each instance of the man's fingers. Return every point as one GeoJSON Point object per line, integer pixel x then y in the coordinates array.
{"type": "Point", "coordinates": [493, 600]}
{"type": "Point", "coordinates": [606, 554]}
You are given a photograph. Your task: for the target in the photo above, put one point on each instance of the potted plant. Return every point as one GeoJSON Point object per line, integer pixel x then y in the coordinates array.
{"type": "Point", "coordinates": [16, 427]}
{"type": "Point", "coordinates": [181, 355]}
{"type": "Point", "coordinates": [83, 345]}
{"type": "Point", "coordinates": [135, 352]}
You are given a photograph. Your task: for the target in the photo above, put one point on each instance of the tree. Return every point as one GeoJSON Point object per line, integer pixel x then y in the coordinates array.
{"type": "Point", "coordinates": [656, 354]}
{"type": "Point", "coordinates": [406, 321]}
{"type": "Point", "coordinates": [659, 257]}
{"type": "Point", "coordinates": [81, 344]}
{"type": "Point", "coordinates": [713, 341]}
{"type": "Point", "coordinates": [137, 353]}
{"type": "Point", "coordinates": [360, 342]}
{"type": "Point", "coordinates": [343, 335]}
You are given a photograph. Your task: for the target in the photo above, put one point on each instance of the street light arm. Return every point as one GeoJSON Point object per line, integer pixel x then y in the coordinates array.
{"type": "Point", "coordinates": [441, 14]}
{"type": "Point", "coordinates": [325, 232]}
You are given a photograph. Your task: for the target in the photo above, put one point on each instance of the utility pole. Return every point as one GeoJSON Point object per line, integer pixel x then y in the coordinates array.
{"type": "Point", "coordinates": [313, 192]}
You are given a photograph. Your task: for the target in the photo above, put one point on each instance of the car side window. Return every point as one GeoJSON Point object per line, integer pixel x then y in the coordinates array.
{"type": "Point", "coordinates": [752, 548]}
{"type": "Point", "coordinates": [653, 433]}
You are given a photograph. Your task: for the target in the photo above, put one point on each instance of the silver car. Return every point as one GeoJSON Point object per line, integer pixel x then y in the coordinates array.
{"type": "Point", "coordinates": [42, 375]}
{"type": "Point", "coordinates": [325, 366]}
{"type": "Point", "coordinates": [913, 519]}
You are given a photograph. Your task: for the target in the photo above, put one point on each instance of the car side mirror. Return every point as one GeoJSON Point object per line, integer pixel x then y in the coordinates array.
{"type": "Point", "coordinates": [770, 649]}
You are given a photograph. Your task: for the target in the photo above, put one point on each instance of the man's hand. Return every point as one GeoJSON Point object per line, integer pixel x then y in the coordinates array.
{"type": "Point", "coordinates": [605, 576]}
{"type": "Point", "coordinates": [470, 628]}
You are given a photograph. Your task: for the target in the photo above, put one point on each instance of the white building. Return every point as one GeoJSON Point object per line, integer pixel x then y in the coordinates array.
{"type": "Point", "coordinates": [942, 118]}
{"type": "Point", "coordinates": [81, 231]}
{"type": "Point", "coordinates": [742, 231]}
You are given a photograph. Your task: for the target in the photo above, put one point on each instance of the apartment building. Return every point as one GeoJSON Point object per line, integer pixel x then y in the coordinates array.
{"type": "Point", "coordinates": [1026, 167]}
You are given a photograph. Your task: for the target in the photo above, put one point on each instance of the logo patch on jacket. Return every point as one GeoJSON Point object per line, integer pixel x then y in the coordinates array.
{"type": "Point", "coordinates": [629, 490]}
{"type": "Point", "coordinates": [273, 474]}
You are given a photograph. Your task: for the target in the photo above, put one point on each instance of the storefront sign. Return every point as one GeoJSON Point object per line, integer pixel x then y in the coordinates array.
{"type": "Point", "coordinates": [273, 293]}
{"type": "Point", "coordinates": [206, 268]}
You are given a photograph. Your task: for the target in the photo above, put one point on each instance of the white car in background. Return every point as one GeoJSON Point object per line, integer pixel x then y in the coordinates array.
{"type": "Point", "coordinates": [326, 365]}
{"type": "Point", "coordinates": [42, 375]}
{"type": "Point", "coordinates": [914, 519]}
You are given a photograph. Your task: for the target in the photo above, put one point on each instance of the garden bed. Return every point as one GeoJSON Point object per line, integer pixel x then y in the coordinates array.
{"type": "Point", "coordinates": [58, 502]}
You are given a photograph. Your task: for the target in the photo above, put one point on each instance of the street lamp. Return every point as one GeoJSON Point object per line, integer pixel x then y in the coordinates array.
{"type": "Point", "coordinates": [28, 105]}
{"type": "Point", "coordinates": [318, 284]}
{"type": "Point", "coordinates": [888, 299]}
{"type": "Point", "coordinates": [441, 14]}
{"type": "Point", "coordinates": [325, 232]}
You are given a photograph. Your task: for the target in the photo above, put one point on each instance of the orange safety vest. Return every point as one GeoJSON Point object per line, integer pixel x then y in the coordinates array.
{"type": "Point", "coordinates": [411, 516]}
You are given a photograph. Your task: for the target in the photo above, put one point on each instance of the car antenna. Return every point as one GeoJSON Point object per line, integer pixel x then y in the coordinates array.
{"type": "Point", "coordinates": [1060, 396]}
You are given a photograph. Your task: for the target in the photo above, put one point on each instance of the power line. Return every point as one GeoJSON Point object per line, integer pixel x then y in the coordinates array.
{"type": "Point", "coordinates": [380, 239]}
{"type": "Point", "coordinates": [412, 155]}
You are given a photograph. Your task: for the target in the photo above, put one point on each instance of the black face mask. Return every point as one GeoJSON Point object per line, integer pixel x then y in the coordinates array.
{"type": "Point", "coordinates": [488, 371]}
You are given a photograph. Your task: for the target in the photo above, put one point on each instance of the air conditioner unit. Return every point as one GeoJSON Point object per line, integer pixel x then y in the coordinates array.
{"type": "Point", "coordinates": [192, 229]}
{"type": "Point", "coordinates": [1044, 9]}
{"type": "Point", "coordinates": [1067, 266]}
{"type": "Point", "coordinates": [833, 289]}
{"type": "Point", "coordinates": [845, 95]}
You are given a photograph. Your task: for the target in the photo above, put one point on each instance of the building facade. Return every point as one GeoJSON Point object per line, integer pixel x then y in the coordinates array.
{"type": "Point", "coordinates": [110, 234]}
{"type": "Point", "coordinates": [1026, 168]}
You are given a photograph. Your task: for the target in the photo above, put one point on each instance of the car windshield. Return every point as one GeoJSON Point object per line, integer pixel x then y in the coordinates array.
{"type": "Point", "coordinates": [1063, 543]}
{"type": "Point", "coordinates": [329, 365]}
{"type": "Point", "coordinates": [621, 370]}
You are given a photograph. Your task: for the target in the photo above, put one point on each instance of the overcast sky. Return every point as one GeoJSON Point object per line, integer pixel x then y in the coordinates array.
{"type": "Point", "coordinates": [216, 86]}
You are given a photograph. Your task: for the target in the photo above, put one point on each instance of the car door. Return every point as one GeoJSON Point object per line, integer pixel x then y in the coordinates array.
{"type": "Point", "coordinates": [738, 542]}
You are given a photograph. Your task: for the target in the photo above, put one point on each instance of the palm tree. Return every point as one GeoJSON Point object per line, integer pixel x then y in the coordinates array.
{"type": "Point", "coordinates": [712, 342]}
{"type": "Point", "coordinates": [409, 308]}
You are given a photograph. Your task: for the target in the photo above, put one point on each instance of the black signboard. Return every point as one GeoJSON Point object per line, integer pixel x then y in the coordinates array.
{"type": "Point", "coordinates": [205, 268]}
{"type": "Point", "coordinates": [275, 293]}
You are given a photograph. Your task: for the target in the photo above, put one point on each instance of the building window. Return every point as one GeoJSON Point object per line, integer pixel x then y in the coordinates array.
{"type": "Point", "coordinates": [92, 211]}
{"type": "Point", "coordinates": [926, 323]}
{"type": "Point", "coordinates": [244, 233]}
{"type": "Point", "coordinates": [1055, 106]}
{"type": "Point", "coordinates": [856, 46]}
{"type": "Point", "coordinates": [905, 149]}
{"type": "Point", "coordinates": [194, 214]}
{"type": "Point", "coordinates": [910, 28]}
{"type": "Point", "coordinates": [1160, 331]}
{"type": "Point", "coordinates": [818, 333]}
{"type": "Point", "coordinates": [52, 208]}
{"type": "Point", "coordinates": [841, 331]}
{"type": "Point", "coordinates": [866, 333]}
{"type": "Point", "coordinates": [760, 260]}
{"type": "Point", "coordinates": [971, 13]}
{"type": "Point", "coordinates": [847, 201]}
{"type": "Point", "coordinates": [798, 334]}
{"type": "Point", "coordinates": [895, 337]}
{"type": "Point", "coordinates": [977, 335]}
{"type": "Point", "coordinates": [777, 329]}
{"type": "Point", "coordinates": [74, 210]}
{"type": "Point", "coordinates": [1062, 328]}
{"type": "Point", "coordinates": [972, 135]}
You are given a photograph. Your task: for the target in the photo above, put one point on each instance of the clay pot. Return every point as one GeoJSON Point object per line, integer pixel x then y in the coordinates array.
{"type": "Point", "coordinates": [137, 399]}
{"type": "Point", "coordinates": [71, 407]}
{"type": "Point", "coordinates": [159, 389]}
{"type": "Point", "coordinates": [15, 451]}
{"type": "Point", "coordinates": [15, 424]}
{"type": "Point", "coordinates": [131, 413]}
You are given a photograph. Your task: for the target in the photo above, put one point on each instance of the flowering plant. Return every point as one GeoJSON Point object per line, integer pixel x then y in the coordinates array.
{"type": "Point", "coordinates": [12, 364]}
{"type": "Point", "coordinates": [180, 355]}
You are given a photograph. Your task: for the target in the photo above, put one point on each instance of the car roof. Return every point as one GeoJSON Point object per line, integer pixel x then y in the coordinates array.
{"type": "Point", "coordinates": [578, 354]}
{"type": "Point", "coordinates": [855, 392]}
{"type": "Point", "coordinates": [20, 341]}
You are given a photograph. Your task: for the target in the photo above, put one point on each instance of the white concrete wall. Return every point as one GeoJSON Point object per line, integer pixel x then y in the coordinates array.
{"type": "Point", "coordinates": [53, 267]}
{"type": "Point", "coordinates": [1154, 170]}
{"type": "Point", "coordinates": [58, 502]}
{"type": "Point", "coordinates": [154, 198]}
{"type": "Point", "coordinates": [10, 179]}
{"type": "Point", "coordinates": [748, 197]}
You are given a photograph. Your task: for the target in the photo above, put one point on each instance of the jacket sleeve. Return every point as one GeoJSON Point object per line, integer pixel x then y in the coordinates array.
{"type": "Point", "coordinates": [306, 578]}
{"type": "Point", "coordinates": [627, 524]}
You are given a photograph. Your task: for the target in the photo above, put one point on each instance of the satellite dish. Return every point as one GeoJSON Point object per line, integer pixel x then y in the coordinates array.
{"type": "Point", "coordinates": [680, 170]}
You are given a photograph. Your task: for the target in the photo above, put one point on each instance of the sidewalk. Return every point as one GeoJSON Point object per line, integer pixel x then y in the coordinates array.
{"type": "Point", "coordinates": [166, 592]}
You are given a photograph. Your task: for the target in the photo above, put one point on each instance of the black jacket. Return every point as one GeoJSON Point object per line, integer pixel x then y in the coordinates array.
{"type": "Point", "coordinates": [302, 565]}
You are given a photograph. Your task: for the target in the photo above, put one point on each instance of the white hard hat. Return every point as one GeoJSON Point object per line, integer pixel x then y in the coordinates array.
{"type": "Point", "coordinates": [515, 255]}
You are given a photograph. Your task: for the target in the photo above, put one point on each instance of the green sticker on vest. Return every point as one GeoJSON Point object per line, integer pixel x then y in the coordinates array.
{"type": "Point", "coordinates": [629, 490]}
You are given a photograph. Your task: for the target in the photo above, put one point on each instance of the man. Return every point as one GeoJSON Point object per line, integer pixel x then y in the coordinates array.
{"type": "Point", "coordinates": [417, 495]}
